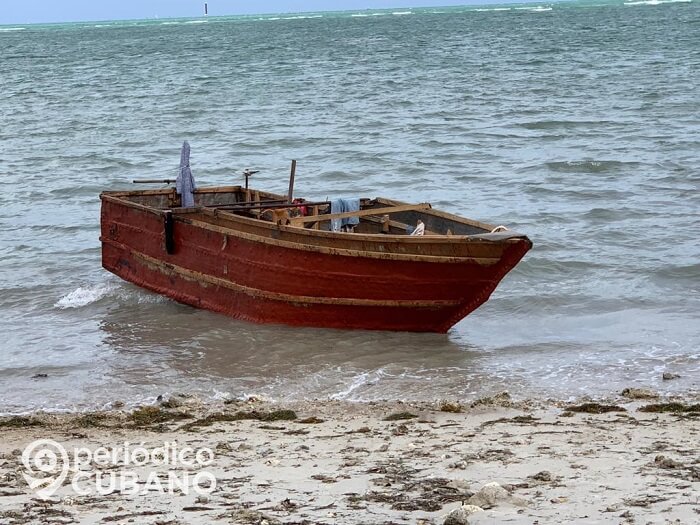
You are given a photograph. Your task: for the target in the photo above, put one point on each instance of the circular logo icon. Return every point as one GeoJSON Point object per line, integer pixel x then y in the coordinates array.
{"type": "Point", "coordinates": [47, 465]}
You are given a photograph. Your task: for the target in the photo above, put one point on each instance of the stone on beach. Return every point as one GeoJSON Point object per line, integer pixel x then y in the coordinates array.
{"type": "Point", "coordinates": [639, 393]}
{"type": "Point", "coordinates": [501, 399]}
{"type": "Point", "coordinates": [491, 494]}
{"type": "Point", "coordinates": [544, 475]}
{"type": "Point", "coordinates": [460, 516]}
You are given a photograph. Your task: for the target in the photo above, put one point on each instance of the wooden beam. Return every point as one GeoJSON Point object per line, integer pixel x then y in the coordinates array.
{"type": "Point", "coordinates": [296, 221]}
{"type": "Point", "coordinates": [251, 205]}
{"type": "Point", "coordinates": [314, 212]}
{"type": "Point", "coordinates": [396, 224]}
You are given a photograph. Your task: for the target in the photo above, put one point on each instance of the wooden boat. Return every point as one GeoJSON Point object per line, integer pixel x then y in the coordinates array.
{"type": "Point", "coordinates": [244, 254]}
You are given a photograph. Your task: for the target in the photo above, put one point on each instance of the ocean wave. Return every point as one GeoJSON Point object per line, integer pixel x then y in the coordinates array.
{"type": "Point", "coordinates": [91, 294]}
{"type": "Point", "coordinates": [554, 124]}
{"type": "Point", "coordinates": [540, 266]}
{"type": "Point", "coordinates": [536, 9]}
{"type": "Point", "coordinates": [357, 382]}
{"type": "Point", "coordinates": [302, 17]}
{"type": "Point", "coordinates": [83, 296]}
{"type": "Point", "coordinates": [5, 29]}
{"type": "Point", "coordinates": [689, 272]}
{"type": "Point", "coordinates": [608, 215]}
{"type": "Point", "coordinates": [657, 2]}
{"type": "Point", "coordinates": [588, 166]}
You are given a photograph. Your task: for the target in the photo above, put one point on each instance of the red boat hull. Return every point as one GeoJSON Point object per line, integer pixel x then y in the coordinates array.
{"type": "Point", "coordinates": [267, 280]}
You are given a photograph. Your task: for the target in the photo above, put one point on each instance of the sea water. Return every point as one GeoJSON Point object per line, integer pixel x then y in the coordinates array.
{"type": "Point", "coordinates": [575, 123]}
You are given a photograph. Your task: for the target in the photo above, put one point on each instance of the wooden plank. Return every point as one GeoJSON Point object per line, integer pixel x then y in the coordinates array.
{"type": "Point", "coordinates": [314, 212]}
{"type": "Point", "coordinates": [361, 213]}
{"type": "Point", "coordinates": [332, 250]}
{"type": "Point", "coordinates": [256, 199]}
{"type": "Point", "coordinates": [445, 215]}
{"type": "Point", "coordinates": [170, 269]}
{"type": "Point", "coordinates": [396, 224]}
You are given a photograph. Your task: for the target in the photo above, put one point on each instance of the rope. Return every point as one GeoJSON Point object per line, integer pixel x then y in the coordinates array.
{"type": "Point", "coordinates": [499, 229]}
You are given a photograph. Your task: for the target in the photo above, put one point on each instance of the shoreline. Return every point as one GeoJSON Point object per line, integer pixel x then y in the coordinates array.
{"type": "Point", "coordinates": [381, 462]}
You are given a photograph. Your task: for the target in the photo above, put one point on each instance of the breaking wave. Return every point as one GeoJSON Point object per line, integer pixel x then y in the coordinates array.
{"type": "Point", "coordinates": [83, 296]}
{"type": "Point", "coordinates": [91, 294]}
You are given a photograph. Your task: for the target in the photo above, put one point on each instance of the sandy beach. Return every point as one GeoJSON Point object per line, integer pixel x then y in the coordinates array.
{"type": "Point", "coordinates": [492, 460]}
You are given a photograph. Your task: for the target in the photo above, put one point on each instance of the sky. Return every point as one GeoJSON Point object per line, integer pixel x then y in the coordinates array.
{"type": "Point", "coordinates": [44, 11]}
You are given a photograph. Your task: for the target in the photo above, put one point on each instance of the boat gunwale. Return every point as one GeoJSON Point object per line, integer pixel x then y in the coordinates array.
{"type": "Point", "coordinates": [349, 252]}
{"type": "Point", "coordinates": [117, 197]}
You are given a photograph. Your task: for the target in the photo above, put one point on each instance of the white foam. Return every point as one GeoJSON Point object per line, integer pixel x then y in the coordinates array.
{"type": "Point", "coordinates": [89, 294]}
{"type": "Point", "coordinates": [255, 397]}
{"type": "Point", "coordinates": [12, 28]}
{"type": "Point", "coordinates": [219, 395]}
{"type": "Point", "coordinates": [302, 17]}
{"type": "Point", "coordinates": [658, 2]}
{"type": "Point", "coordinates": [536, 9]}
{"type": "Point", "coordinates": [84, 296]}
{"type": "Point", "coordinates": [399, 13]}
{"type": "Point", "coordinates": [196, 22]}
{"type": "Point", "coordinates": [356, 383]}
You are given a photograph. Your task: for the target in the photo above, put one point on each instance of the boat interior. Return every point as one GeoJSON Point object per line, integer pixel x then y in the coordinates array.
{"type": "Point", "coordinates": [363, 216]}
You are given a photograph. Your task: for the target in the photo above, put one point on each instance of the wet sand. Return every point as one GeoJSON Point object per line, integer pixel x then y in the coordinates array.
{"type": "Point", "coordinates": [385, 462]}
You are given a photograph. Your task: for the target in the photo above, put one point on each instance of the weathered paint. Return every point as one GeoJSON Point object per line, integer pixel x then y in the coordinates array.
{"type": "Point", "coordinates": [263, 278]}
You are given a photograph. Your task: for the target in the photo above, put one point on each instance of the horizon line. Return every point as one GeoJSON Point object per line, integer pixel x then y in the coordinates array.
{"type": "Point", "coordinates": [476, 3]}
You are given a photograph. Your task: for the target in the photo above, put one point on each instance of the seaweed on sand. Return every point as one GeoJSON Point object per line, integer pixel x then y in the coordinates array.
{"type": "Point", "coordinates": [595, 408]}
{"type": "Point", "coordinates": [150, 415]}
{"type": "Point", "coordinates": [90, 420]}
{"type": "Point", "coordinates": [20, 422]}
{"type": "Point", "coordinates": [447, 406]}
{"type": "Point", "coordinates": [673, 408]}
{"type": "Point", "coordinates": [275, 415]}
{"type": "Point", "coordinates": [398, 416]}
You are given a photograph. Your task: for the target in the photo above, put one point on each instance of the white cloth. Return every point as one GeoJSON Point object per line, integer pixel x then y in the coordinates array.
{"type": "Point", "coordinates": [420, 229]}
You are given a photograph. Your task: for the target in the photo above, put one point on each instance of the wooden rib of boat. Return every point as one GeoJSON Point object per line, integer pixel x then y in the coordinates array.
{"type": "Point", "coordinates": [240, 253]}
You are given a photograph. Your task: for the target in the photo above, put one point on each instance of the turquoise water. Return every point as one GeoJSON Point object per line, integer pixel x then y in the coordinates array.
{"type": "Point", "coordinates": [578, 124]}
